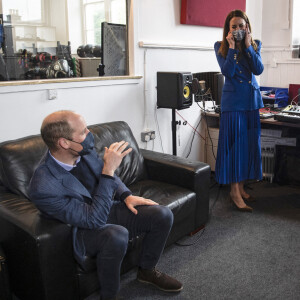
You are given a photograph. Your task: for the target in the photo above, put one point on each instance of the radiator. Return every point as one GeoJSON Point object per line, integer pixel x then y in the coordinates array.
{"type": "Point", "coordinates": [268, 162]}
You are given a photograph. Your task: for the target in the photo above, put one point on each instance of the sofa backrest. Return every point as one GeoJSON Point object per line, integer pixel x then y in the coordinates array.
{"type": "Point", "coordinates": [19, 158]}
{"type": "Point", "coordinates": [132, 166]}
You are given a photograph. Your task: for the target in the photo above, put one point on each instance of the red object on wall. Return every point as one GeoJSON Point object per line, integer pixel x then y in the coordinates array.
{"type": "Point", "coordinates": [208, 12]}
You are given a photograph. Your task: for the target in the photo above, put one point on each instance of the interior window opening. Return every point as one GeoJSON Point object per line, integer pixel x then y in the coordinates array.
{"type": "Point", "coordinates": [46, 39]}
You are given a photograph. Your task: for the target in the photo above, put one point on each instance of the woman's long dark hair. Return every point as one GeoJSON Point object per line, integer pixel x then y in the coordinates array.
{"type": "Point", "coordinates": [224, 44]}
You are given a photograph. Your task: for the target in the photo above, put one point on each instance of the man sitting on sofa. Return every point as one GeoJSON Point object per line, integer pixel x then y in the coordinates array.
{"type": "Point", "coordinates": [72, 184]}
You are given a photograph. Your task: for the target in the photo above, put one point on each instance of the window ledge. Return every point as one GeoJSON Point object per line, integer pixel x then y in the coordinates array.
{"type": "Point", "coordinates": [65, 83]}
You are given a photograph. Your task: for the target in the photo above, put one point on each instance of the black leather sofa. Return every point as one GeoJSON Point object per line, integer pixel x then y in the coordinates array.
{"type": "Point", "coordinates": [39, 250]}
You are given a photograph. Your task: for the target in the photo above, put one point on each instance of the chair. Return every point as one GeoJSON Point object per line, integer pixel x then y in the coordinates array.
{"type": "Point", "coordinates": [39, 250]}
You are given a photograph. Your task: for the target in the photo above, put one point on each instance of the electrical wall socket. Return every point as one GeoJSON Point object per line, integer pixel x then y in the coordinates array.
{"type": "Point", "coordinates": [152, 135]}
{"type": "Point", "coordinates": [147, 135]}
{"type": "Point", "coordinates": [52, 94]}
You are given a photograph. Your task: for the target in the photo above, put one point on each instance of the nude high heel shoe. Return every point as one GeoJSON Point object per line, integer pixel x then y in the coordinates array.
{"type": "Point", "coordinates": [245, 208]}
{"type": "Point", "coordinates": [249, 199]}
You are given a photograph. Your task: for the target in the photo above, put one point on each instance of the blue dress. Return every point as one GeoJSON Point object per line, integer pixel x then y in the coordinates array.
{"type": "Point", "coordinates": [239, 150]}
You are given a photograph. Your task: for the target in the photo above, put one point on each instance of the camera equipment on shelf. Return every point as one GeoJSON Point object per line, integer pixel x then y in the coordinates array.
{"type": "Point", "coordinates": [89, 51]}
{"type": "Point", "coordinates": [56, 62]}
{"type": "Point", "coordinates": [57, 69]}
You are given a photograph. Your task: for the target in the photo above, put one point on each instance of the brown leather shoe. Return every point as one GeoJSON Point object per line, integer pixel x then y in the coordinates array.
{"type": "Point", "coordinates": [161, 280]}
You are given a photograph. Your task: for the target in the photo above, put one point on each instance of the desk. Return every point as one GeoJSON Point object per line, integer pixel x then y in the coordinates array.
{"type": "Point", "coordinates": [269, 121]}
{"type": "Point", "coordinates": [212, 121]}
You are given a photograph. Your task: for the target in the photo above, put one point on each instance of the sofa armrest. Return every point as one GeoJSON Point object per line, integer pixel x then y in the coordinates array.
{"type": "Point", "coordinates": [39, 251]}
{"type": "Point", "coordinates": [183, 172]}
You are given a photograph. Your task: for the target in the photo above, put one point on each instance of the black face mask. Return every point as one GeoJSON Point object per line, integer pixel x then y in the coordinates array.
{"type": "Point", "coordinates": [87, 144]}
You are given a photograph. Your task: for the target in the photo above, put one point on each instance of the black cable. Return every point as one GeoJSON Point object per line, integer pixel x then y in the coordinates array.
{"type": "Point", "coordinates": [248, 183]}
{"type": "Point", "coordinates": [157, 124]}
{"type": "Point", "coordinates": [217, 196]}
{"type": "Point", "coordinates": [212, 146]}
{"type": "Point", "coordinates": [213, 177]}
{"type": "Point", "coordinates": [194, 133]}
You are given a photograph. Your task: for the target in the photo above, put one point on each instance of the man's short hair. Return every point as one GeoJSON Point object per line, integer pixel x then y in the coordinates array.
{"type": "Point", "coordinates": [52, 131]}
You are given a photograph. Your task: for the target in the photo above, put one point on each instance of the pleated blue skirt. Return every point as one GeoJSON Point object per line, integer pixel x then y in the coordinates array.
{"type": "Point", "coordinates": [239, 150]}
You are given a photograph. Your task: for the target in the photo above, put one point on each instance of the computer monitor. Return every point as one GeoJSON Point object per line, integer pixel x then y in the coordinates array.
{"type": "Point", "coordinates": [114, 49]}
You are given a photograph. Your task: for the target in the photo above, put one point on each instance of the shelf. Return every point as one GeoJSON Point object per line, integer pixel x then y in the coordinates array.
{"type": "Point", "coordinates": [25, 36]}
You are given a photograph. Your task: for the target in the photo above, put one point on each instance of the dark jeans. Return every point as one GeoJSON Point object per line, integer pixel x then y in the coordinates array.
{"type": "Point", "coordinates": [109, 244]}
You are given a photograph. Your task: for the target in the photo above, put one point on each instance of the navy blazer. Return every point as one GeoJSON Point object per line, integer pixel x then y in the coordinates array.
{"type": "Point", "coordinates": [60, 195]}
{"type": "Point", "coordinates": [240, 90]}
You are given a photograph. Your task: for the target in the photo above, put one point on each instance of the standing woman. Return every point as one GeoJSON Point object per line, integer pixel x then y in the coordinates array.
{"type": "Point", "coordinates": [239, 152]}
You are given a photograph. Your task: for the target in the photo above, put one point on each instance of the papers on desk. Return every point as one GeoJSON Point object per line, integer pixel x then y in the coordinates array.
{"type": "Point", "coordinates": [271, 142]}
{"type": "Point", "coordinates": [271, 132]}
{"type": "Point", "coordinates": [272, 137]}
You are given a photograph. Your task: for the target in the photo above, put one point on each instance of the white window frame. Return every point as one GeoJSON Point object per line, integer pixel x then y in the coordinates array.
{"type": "Point", "coordinates": [107, 9]}
{"type": "Point", "coordinates": [44, 16]}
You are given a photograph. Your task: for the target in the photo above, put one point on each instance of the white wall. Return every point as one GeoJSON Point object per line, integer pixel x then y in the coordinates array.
{"type": "Point", "coordinates": [276, 20]}
{"type": "Point", "coordinates": [165, 29]}
{"type": "Point", "coordinates": [280, 69]}
{"type": "Point", "coordinates": [254, 13]}
{"type": "Point", "coordinates": [156, 22]}
{"type": "Point", "coordinates": [21, 113]}
{"type": "Point", "coordinates": [160, 22]}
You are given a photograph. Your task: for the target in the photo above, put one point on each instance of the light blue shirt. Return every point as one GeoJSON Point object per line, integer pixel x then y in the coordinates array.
{"type": "Point", "coordinates": [67, 167]}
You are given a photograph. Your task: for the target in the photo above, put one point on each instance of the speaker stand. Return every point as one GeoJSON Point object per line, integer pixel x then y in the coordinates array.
{"type": "Point", "coordinates": [174, 124]}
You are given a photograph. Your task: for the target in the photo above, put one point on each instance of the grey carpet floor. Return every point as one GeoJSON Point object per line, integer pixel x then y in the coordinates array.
{"type": "Point", "coordinates": [238, 255]}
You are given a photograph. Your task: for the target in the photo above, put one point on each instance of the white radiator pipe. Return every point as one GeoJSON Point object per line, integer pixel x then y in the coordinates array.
{"type": "Point", "coordinates": [174, 47]}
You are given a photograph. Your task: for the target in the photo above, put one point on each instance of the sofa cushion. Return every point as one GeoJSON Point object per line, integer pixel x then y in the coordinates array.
{"type": "Point", "coordinates": [181, 201]}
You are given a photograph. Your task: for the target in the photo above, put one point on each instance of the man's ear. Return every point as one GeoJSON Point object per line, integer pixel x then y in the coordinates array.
{"type": "Point", "coordinates": [63, 143]}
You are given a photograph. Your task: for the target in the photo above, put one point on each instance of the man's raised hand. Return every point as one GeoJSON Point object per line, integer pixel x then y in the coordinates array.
{"type": "Point", "coordinates": [113, 157]}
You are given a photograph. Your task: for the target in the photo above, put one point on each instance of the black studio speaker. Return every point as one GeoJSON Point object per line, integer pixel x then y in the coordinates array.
{"type": "Point", "coordinates": [174, 90]}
